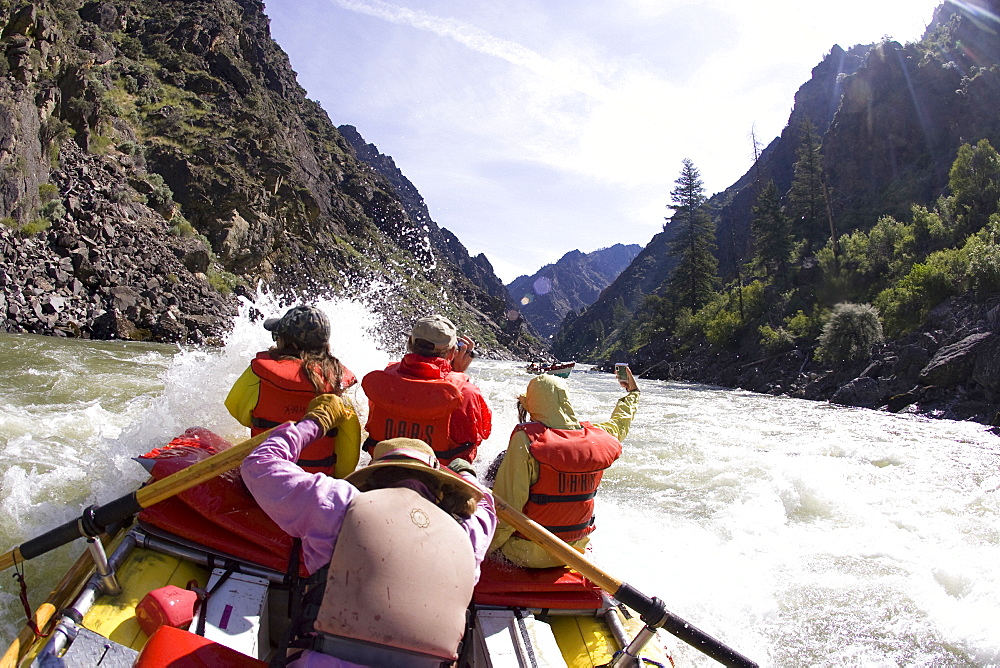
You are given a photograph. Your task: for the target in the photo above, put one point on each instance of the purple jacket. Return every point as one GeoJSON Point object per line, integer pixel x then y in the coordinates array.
{"type": "Point", "coordinates": [311, 506]}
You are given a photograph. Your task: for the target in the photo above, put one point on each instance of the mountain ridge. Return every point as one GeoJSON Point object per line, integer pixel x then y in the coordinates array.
{"type": "Point", "coordinates": [573, 282]}
{"type": "Point", "coordinates": [891, 120]}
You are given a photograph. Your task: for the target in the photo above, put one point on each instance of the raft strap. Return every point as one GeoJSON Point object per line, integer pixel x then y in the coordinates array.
{"type": "Point", "coordinates": [19, 576]}
{"type": "Point", "coordinates": [231, 567]}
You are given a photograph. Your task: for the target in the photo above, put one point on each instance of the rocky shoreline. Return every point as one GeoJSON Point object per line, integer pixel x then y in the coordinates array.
{"type": "Point", "coordinates": [108, 268]}
{"type": "Point", "coordinates": [950, 369]}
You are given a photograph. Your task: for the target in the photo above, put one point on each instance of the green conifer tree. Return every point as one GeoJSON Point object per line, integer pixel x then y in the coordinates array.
{"type": "Point", "coordinates": [695, 276]}
{"type": "Point", "coordinates": [772, 232]}
{"type": "Point", "coordinates": [807, 197]}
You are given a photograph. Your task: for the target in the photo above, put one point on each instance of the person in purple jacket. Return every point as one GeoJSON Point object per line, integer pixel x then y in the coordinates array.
{"type": "Point", "coordinates": [393, 549]}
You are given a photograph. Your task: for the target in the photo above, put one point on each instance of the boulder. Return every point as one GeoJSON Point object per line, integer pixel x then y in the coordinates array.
{"type": "Point", "coordinates": [953, 364]}
{"type": "Point", "coordinates": [863, 392]}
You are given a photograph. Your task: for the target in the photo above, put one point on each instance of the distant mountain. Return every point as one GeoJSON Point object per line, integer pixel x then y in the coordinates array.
{"type": "Point", "coordinates": [426, 232]}
{"type": "Point", "coordinates": [569, 285]}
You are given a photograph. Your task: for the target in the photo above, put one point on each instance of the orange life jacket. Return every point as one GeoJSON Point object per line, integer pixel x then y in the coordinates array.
{"type": "Point", "coordinates": [401, 406]}
{"type": "Point", "coordinates": [285, 393]}
{"type": "Point", "coordinates": [571, 464]}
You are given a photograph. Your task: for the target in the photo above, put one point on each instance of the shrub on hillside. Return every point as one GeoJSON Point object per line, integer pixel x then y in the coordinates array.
{"type": "Point", "coordinates": [905, 305]}
{"type": "Point", "coordinates": [983, 250]}
{"type": "Point", "coordinates": [850, 333]}
{"type": "Point", "coordinates": [775, 340]}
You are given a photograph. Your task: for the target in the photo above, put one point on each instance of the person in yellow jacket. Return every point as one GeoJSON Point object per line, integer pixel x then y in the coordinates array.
{"type": "Point", "coordinates": [553, 466]}
{"type": "Point", "coordinates": [280, 382]}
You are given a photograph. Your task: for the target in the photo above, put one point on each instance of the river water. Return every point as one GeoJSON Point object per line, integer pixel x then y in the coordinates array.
{"type": "Point", "coordinates": [798, 533]}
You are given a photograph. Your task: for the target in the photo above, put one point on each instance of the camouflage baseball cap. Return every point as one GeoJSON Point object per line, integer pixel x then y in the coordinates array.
{"type": "Point", "coordinates": [306, 326]}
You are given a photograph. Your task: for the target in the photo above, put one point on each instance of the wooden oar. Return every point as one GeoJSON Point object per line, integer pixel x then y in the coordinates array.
{"type": "Point", "coordinates": [652, 611]}
{"type": "Point", "coordinates": [96, 519]}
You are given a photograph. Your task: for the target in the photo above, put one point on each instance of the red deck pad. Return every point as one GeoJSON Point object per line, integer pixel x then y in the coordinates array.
{"type": "Point", "coordinates": [557, 588]}
{"type": "Point", "coordinates": [220, 514]}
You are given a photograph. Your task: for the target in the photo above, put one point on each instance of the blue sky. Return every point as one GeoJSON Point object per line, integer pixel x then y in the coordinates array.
{"type": "Point", "coordinates": [535, 127]}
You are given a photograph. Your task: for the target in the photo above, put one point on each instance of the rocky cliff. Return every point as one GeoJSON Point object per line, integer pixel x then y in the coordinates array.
{"type": "Point", "coordinates": [891, 119]}
{"type": "Point", "coordinates": [572, 283]}
{"type": "Point", "coordinates": [159, 158]}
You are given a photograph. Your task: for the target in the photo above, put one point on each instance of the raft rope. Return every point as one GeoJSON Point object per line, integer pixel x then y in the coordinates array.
{"type": "Point", "coordinates": [19, 576]}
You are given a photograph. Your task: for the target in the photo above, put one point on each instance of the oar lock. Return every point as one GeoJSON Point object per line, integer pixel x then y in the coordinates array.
{"type": "Point", "coordinates": [88, 524]}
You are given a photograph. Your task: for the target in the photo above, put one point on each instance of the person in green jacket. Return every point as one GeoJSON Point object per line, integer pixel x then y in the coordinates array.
{"type": "Point", "coordinates": [553, 466]}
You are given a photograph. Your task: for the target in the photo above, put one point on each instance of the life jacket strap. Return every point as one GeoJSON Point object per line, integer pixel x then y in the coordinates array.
{"type": "Point", "coordinates": [573, 527]}
{"type": "Point", "coordinates": [453, 452]}
{"type": "Point", "coordinates": [325, 462]}
{"type": "Point", "coordinates": [261, 423]}
{"type": "Point", "coordinates": [560, 498]}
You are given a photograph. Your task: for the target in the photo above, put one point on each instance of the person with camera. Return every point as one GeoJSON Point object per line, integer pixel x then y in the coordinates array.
{"type": "Point", "coordinates": [428, 396]}
{"type": "Point", "coordinates": [553, 466]}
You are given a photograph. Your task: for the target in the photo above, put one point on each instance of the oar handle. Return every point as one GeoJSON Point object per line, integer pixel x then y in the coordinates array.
{"type": "Point", "coordinates": [652, 610]}
{"type": "Point", "coordinates": [93, 522]}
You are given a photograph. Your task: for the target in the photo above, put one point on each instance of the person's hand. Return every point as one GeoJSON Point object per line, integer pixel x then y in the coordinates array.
{"type": "Point", "coordinates": [327, 410]}
{"type": "Point", "coordinates": [464, 353]}
{"type": "Point", "coordinates": [461, 466]}
{"type": "Point", "coordinates": [631, 385]}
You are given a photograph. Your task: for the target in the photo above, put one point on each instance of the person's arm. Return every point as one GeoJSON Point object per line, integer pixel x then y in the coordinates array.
{"type": "Point", "coordinates": [305, 505]}
{"type": "Point", "coordinates": [243, 397]}
{"type": "Point", "coordinates": [517, 472]}
{"type": "Point", "coordinates": [621, 416]}
{"type": "Point", "coordinates": [482, 525]}
{"type": "Point", "coordinates": [348, 444]}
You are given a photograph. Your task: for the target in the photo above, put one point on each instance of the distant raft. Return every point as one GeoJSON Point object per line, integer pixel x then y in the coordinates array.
{"type": "Point", "coordinates": [561, 369]}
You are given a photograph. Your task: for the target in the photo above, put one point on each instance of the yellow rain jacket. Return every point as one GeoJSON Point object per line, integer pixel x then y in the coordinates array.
{"type": "Point", "coordinates": [547, 402]}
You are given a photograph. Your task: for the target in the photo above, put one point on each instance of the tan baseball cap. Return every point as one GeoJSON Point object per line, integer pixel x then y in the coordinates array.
{"type": "Point", "coordinates": [436, 329]}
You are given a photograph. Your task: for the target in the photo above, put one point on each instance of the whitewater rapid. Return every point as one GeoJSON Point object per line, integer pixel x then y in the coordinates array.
{"type": "Point", "coordinates": [800, 533]}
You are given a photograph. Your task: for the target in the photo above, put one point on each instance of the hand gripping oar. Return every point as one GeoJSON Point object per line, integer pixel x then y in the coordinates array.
{"type": "Point", "coordinates": [652, 611]}
{"type": "Point", "coordinates": [96, 519]}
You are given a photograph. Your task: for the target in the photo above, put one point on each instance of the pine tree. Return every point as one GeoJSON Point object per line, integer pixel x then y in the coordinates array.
{"type": "Point", "coordinates": [695, 276]}
{"type": "Point", "coordinates": [772, 232]}
{"type": "Point", "coordinates": [807, 196]}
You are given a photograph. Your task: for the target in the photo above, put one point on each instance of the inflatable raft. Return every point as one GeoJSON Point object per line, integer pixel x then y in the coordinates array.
{"type": "Point", "coordinates": [202, 579]}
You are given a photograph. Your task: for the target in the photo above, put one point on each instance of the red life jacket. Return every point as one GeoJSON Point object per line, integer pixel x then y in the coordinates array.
{"type": "Point", "coordinates": [571, 464]}
{"type": "Point", "coordinates": [401, 406]}
{"type": "Point", "coordinates": [285, 393]}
